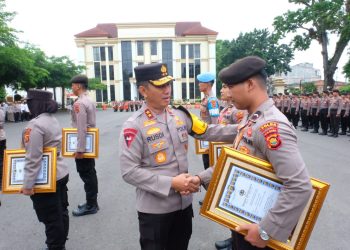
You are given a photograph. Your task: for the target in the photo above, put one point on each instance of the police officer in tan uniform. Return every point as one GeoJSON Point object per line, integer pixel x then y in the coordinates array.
{"type": "Point", "coordinates": [314, 112]}
{"type": "Point", "coordinates": [153, 158]}
{"type": "Point", "coordinates": [294, 110]}
{"type": "Point", "coordinates": [265, 133]}
{"type": "Point", "coordinates": [44, 131]}
{"type": "Point", "coordinates": [84, 117]}
{"type": "Point", "coordinates": [324, 104]}
{"type": "Point", "coordinates": [334, 110]}
{"type": "Point", "coordinates": [2, 143]}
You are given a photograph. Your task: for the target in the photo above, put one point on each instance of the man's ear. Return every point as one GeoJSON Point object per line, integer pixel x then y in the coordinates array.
{"type": "Point", "coordinates": [142, 90]}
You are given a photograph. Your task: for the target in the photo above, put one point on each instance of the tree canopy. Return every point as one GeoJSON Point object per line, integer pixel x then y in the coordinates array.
{"type": "Point", "coordinates": [318, 20]}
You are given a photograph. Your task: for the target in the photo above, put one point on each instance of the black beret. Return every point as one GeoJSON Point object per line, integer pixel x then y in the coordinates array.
{"type": "Point", "coordinates": [155, 73]}
{"type": "Point", "coordinates": [39, 94]}
{"type": "Point", "coordinates": [81, 79]}
{"type": "Point", "coordinates": [242, 69]}
{"type": "Point", "coordinates": [335, 90]}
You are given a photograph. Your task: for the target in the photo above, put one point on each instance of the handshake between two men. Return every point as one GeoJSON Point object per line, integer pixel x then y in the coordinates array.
{"type": "Point", "coordinates": [186, 184]}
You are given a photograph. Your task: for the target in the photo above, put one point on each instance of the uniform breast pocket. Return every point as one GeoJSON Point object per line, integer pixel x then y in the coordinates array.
{"type": "Point", "coordinates": [159, 152]}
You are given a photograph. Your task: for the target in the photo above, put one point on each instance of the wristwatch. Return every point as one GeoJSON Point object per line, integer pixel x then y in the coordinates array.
{"type": "Point", "coordinates": [263, 234]}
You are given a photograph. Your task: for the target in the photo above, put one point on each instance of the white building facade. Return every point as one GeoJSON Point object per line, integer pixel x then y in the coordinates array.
{"type": "Point", "coordinates": [302, 73]}
{"type": "Point", "coordinates": [111, 51]}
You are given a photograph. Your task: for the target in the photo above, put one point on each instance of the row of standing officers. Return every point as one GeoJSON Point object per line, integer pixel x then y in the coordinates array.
{"type": "Point", "coordinates": [330, 112]}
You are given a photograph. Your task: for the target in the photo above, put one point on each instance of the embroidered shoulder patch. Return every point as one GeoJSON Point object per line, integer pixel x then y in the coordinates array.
{"type": "Point", "coordinates": [272, 137]}
{"type": "Point", "coordinates": [27, 135]}
{"type": "Point", "coordinates": [129, 136]}
{"type": "Point", "coordinates": [76, 108]}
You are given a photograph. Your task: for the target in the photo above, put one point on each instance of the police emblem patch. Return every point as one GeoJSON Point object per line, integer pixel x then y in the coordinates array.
{"type": "Point", "coordinates": [272, 137]}
{"type": "Point", "coordinates": [160, 157]}
{"type": "Point", "coordinates": [158, 145]}
{"type": "Point", "coordinates": [129, 136]}
{"type": "Point", "coordinates": [244, 149]}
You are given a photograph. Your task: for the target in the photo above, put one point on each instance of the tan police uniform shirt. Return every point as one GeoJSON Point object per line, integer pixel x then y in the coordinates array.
{"type": "Point", "coordinates": [83, 117]}
{"type": "Point", "coordinates": [324, 102]}
{"type": "Point", "coordinates": [230, 115]}
{"type": "Point", "coordinates": [42, 131]}
{"type": "Point", "coordinates": [2, 123]}
{"type": "Point", "coordinates": [153, 151]}
{"type": "Point", "coordinates": [335, 103]}
{"type": "Point", "coordinates": [295, 103]}
{"type": "Point", "coordinates": [271, 137]}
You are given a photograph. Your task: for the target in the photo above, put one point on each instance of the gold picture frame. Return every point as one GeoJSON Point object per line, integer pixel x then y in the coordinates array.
{"type": "Point", "coordinates": [69, 142]}
{"type": "Point", "coordinates": [14, 160]}
{"type": "Point", "coordinates": [202, 147]}
{"type": "Point", "coordinates": [215, 150]}
{"type": "Point", "coordinates": [218, 208]}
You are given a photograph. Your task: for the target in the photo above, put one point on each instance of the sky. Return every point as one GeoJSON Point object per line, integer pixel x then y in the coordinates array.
{"type": "Point", "coordinates": [52, 24]}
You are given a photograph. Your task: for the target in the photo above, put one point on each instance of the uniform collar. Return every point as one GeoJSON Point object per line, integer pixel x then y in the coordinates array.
{"type": "Point", "coordinates": [264, 106]}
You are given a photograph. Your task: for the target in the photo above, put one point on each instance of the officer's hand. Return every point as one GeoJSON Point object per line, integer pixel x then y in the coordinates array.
{"type": "Point", "coordinates": [27, 191]}
{"type": "Point", "coordinates": [79, 155]}
{"type": "Point", "coordinates": [194, 184]}
{"type": "Point", "coordinates": [182, 183]}
{"type": "Point", "coordinates": [337, 115]}
{"type": "Point", "coordinates": [253, 236]}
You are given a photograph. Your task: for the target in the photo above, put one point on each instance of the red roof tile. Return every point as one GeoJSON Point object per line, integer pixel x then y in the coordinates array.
{"type": "Point", "coordinates": [181, 29]}
{"type": "Point", "coordinates": [101, 30]}
{"type": "Point", "coordinates": [192, 28]}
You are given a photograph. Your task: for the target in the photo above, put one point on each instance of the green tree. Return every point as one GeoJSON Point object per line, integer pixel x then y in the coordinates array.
{"type": "Point", "coordinates": [309, 87]}
{"type": "Point", "coordinates": [318, 19]}
{"type": "Point", "coordinates": [345, 89]}
{"type": "Point", "coordinates": [95, 83]}
{"type": "Point", "coordinates": [7, 34]}
{"type": "Point", "coordinates": [293, 90]}
{"type": "Point", "coordinates": [346, 69]}
{"type": "Point", "coordinates": [2, 93]}
{"type": "Point", "coordinates": [259, 43]}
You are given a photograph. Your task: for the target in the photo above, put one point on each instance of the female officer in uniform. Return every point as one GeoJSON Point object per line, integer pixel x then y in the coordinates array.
{"type": "Point", "coordinates": [44, 131]}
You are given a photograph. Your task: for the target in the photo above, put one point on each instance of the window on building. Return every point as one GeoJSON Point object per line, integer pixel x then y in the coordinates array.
{"type": "Point", "coordinates": [112, 90]}
{"type": "Point", "coordinates": [183, 70]}
{"type": "Point", "coordinates": [98, 95]}
{"type": "Point", "coordinates": [191, 90]}
{"type": "Point", "coordinates": [139, 48]}
{"type": "Point", "coordinates": [140, 63]}
{"type": "Point", "coordinates": [183, 51]}
{"type": "Point", "coordinates": [104, 95]}
{"type": "Point", "coordinates": [154, 48]}
{"type": "Point", "coordinates": [110, 53]}
{"type": "Point", "coordinates": [97, 70]}
{"type": "Point", "coordinates": [191, 70]}
{"type": "Point", "coordinates": [184, 91]}
{"type": "Point", "coordinates": [190, 51]}
{"type": "Point", "coordinates": [111, 72]}
{"type": "Point", "coordinates": [197, 93]}
{"type": "Point", "coordinates": [103, 54]}
{"type": "Point", "coordinates": [167, 54]}
{"type": "Point", "coordinates": [126, 68]}
{"type": "Point", "coordinates": [104, 72]}
{"type": "Point", "coordinates": [197, 51]}
{"type": "Point", "coordinates": [96, 53]}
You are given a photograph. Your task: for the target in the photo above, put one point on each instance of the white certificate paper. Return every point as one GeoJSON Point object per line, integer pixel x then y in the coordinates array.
{"type": "Point", "coordinates": [204, 144]}
{"type": "Point", "coordinates": [72, 143]}
{"type": "Point", "coordinates": [249, 195]}
{"type": "Point", "coordinates": [17, 171]}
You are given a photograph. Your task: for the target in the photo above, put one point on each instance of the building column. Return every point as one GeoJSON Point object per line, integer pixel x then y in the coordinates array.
{"type": "Point", "coordinates": [120, 75]}
{"type": "Point", "coordinates": [212, 62]}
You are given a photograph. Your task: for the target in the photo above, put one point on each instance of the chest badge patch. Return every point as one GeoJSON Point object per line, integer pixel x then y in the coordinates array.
{"type": "Point", "coordinates": [149, 123]}
{"type": "Point", "coordinates": [244, 149]}
{"type": "Point", "coordinates": [160, 157]}
{"type": "Point", "coordinates": [129, 136]}
{"type": "Point", "coordinates": [153, 130]}
{"type": "Point", "coordinates": [158, 145]}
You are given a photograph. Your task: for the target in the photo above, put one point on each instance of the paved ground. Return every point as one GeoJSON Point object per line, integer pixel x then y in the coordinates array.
{"type": "Point", "coordinates": [115, 226]}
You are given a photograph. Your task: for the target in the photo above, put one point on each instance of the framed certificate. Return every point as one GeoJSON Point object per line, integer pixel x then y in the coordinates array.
{"type": "Point", "coordinates": [202, 147]}
{"type": "Point", "coordinates": [13, 171]}
{"type": "Point", "coordinates": [215, 150]}
{"type": "Point", "coordinates": [70, 142]}
{"type": "Point", "coordinates": [235, 175]}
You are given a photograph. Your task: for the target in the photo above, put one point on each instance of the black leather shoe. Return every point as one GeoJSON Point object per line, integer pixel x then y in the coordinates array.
{"type": "Point", "coordinates": [304, 129]}
{"type": "Point", "coordinates": [335, 135]}
{"type": "Point", "coordinates": [314, 132]}
{"type": "Point", "coordinates": [330, 135]}
{"type": "Point", "coordinates": [224, 244]}
{"type": "Point", "coordinates": [200, 202]}
{"type": "Point", "coordinates": [88, 209]}
{"type": "Point", "coordinates": [342, 133]}
{"type": "Point", "coordinates": [80, 206]}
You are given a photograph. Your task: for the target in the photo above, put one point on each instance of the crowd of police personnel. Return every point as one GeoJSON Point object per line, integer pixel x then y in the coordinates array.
{"type": "Point", "coordinates": [322, 114]}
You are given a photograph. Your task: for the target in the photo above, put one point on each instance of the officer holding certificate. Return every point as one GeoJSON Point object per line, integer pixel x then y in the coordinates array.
{"type": "Point", "coordinates": [44, 131]}
{"type": "Point", "coordinates": [265, 133]}
{"type": "Point", "coordinates": [84, 117]}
